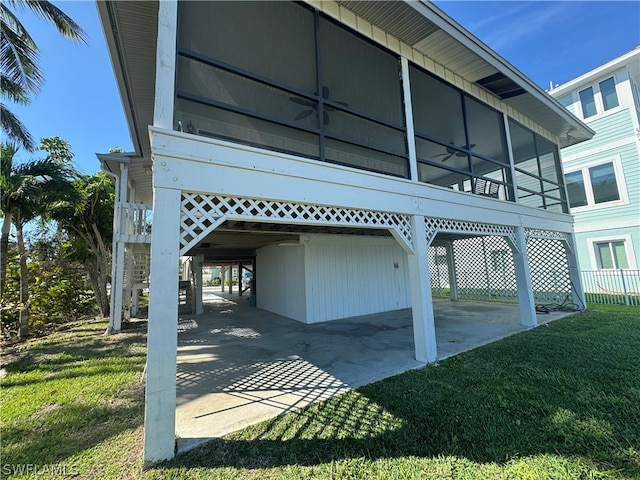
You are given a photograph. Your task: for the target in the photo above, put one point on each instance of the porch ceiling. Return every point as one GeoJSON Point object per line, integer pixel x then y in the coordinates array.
{"type": "Point", "coordinates": [130, 29]}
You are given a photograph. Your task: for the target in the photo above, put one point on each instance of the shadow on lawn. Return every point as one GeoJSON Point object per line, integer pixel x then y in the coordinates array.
{"type": "Point", "coordinates": [571, 389]}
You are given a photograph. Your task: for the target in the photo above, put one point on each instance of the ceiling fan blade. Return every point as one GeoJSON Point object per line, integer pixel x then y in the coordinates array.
{"type": "Point", "coordinates": [325, 118]}
{"type": "Point", "coordinates": [439, 155]}
{"type": "Point", "coordinates": [301, 101]}
{"type": "Point", "coordinates": [444, 159]}
{"type": "Point", "coordinates": [303, 114]}
{"type": "Point", "coordinates": [325, 92]}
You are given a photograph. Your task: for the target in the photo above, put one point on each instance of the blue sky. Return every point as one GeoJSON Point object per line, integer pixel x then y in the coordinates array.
{"type": "Point", "coordinates": [548, 41]}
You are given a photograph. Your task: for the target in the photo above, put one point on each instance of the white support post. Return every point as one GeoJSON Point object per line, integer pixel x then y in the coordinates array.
{"type": "Point", "coordinates": [574, 272]}
{"type": "Point", "coordinates": [526, 301]}
{"type": "Point", "coordinates": [117, 287]}
{"type": "Point", "coordinates": [424, 331]}
{"type": "Point", "coordinates": [230, 278]}
{"type": "Point", "coordinates": [453, 277]}
{"type": "Point", "coordinates": [165, 64]}
{"type": "Point", "coordinates": [197, 267]}
{"type": "Point", "coordinates": [135, 307]}
{"type": "Point", "coordinates": [128, 285]}
{"type": "Point", "coordinates": [162, 338]}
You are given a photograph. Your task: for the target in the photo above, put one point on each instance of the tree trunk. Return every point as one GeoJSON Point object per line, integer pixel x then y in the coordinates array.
{"type": "Point", "coordinates": [23, 328]}
{"type": "Point", "coordinates": [98, 284]}
{"type": "Point", "coordinates": [4, 249]}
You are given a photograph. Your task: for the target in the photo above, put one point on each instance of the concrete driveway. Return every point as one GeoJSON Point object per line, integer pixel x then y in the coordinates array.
{"type": "Point", "coordinates": [239, 365]}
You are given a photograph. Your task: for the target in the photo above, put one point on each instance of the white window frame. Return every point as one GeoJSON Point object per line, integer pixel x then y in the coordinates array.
{"type": "Point", "coordinates": [600, 111]}
{"type": "Point", "coordinates": [619, 174]}
{"type": "Point", "coordinates": [628, 248]}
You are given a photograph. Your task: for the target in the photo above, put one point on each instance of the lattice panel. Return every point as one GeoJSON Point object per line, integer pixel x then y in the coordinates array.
{"type": "Point", "coordinates": [485, 269]}
{"type": "Point", "coordinates": [550, 279]}
{"type": "Point", "coordinates": [435, 225]}
{"type": "Point", "coordinates": [548, 234]}
{"type": "Point", "coordinates": [140, 262]}
{"type": "Point", "coordinates": [438, 271]}
{"type": "Point", "coordinates": [201, 214]}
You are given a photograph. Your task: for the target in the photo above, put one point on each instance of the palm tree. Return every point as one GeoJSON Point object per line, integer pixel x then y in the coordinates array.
{"type": "Point", "coordinates": [21, 76]}
{"type": "Point", "coordinates": [27, 190]}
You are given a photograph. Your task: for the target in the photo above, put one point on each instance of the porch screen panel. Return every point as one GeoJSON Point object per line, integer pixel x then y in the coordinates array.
{"type": "Point", "coordinates": [281, 76]}
{"type": "Point", "coordinates": [362, 103]}
{"type": "Point", "coordinates": [243, 34]}
{"type": "Point", "coordinates": [486, 131]}
{"type": "Point", "coordinates": [238, 81]}
{"type": "Point", "coordinates": [437, 109]}
{"type": "Point", "coordinates": [359, 74]}
{"type": "Point", "coordinates": [348, 154]}
{"type": "Point", "coordinates": [221, 123]}
{"type": "Point", "coordinates": [537, 167]}
{"type": "Point", "coordinates": [241, 93]}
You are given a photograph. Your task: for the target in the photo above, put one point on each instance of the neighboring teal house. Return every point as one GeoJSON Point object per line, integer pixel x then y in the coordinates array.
{"type": "Point", "coordinates": [603, 174]}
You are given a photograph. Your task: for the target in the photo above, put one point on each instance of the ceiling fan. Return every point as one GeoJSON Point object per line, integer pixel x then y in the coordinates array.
{"type": "Point", "coordinates": [450, 152]}
{"type": "Point", "coordinates": [313, 106]}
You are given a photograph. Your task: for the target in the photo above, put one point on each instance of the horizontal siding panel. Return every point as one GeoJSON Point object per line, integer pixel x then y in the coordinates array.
{"type": "Point", "coordinates": [609, 128]}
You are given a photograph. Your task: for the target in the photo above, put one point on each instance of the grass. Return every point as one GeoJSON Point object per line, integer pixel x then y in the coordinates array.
{"type": "Point", "coordinates": [561, 401]}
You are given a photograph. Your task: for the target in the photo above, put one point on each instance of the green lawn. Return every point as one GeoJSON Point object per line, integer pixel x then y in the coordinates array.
{"type": "Point", "coordinates": [561, 401]}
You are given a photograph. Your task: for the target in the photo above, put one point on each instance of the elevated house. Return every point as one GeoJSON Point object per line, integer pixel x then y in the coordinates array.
{"type": "Point", "coordinates": [603, 174]}
{"type": "Point", "coordinates": [333, 145]}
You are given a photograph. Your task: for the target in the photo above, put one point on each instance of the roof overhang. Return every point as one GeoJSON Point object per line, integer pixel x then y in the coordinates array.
{"type": "Point", "coordinates": [130, 29]}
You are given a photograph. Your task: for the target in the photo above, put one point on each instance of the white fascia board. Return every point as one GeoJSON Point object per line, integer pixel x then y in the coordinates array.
{"type": "Point", "coordinates": [466, 38]}
{"type": "Point", "coordinates": [601, 71]}
{"type": "Point", "coordinates": [199, 164]}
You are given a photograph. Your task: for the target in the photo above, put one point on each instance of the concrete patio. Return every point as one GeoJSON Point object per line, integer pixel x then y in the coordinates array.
{"type": "Point", "coordinates": [239, 365]}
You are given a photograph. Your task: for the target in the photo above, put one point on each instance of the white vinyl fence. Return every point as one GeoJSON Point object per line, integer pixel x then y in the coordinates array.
{"type": "Point", "coordinates": [612, 287]}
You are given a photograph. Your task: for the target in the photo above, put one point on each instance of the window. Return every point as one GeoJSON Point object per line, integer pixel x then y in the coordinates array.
{"type": "Point", "coordinates": [588, 102]}
{"type": "Point", "coordinates": [596, 99]}
{"type": "Point", "coordinates": [609, 95]}
{"type": "Point", "coordinates": [575, 189]}
{"type": "Point", "coordinates": [611, 254]}
{"type": "Point", "coordinates": [593, 185]}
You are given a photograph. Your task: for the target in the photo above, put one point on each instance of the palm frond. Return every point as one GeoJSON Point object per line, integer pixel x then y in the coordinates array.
{"type": "Point", "coordinates": [19, 58]}
{"type": "Point", "coordinates": [15, 129]}
{"type": "Point", "coordinates": [13, 91]}
{"type": "Point", "coordinates": [48, 11]}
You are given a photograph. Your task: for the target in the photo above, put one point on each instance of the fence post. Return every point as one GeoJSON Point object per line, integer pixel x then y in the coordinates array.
{"type": "Point", "coordinates": [624, 288]}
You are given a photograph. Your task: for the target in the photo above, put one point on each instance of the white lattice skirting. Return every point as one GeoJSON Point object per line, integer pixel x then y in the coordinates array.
{"type": "Point", "coordinates": [201, 214]}
{"type": "Point", "coordinates": [435, 225]}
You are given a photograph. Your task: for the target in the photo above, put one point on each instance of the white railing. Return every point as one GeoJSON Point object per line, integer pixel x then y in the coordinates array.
{"type": "Point", "coordinates": [612, 286]}
{"type": "Point", "coordinates": [135, 222]}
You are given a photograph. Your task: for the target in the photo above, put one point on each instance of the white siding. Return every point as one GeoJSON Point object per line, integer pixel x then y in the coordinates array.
{"type": "Point", "coordinates": [280, 281]}
{"type": "Point", "coordinates": [348, 276]}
